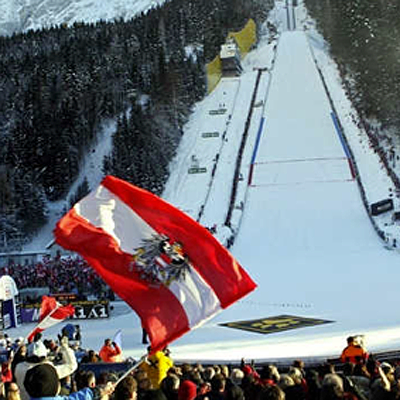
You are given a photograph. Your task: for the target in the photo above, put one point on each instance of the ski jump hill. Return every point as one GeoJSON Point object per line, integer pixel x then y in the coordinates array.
{"type": "Point", "coordinates": [302, 230]}
{"type": "Point", "coordinates": [297, 224]}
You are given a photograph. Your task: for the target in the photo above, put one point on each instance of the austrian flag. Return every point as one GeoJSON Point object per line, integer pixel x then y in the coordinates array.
{"type": "Point", "coordinates": [166, 266]}
{"type": "Point", "coordinates": [51, 313]}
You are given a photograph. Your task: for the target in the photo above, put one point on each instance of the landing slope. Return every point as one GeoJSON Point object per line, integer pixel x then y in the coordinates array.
{"type": "Point", "coordinates": [306, 237]}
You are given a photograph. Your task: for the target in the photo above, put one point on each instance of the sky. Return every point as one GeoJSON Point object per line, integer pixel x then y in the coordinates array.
{"type": "Point", "coordinates": [301, 229]}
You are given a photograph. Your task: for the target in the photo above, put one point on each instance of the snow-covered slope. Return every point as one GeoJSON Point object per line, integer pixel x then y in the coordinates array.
{"type": "Point", "coordinates": [303, 233]}
{"type": "Point", "coordinates": [22, 15]}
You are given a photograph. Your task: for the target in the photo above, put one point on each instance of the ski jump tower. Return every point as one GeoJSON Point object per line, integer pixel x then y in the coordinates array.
{"type": "Point", "coordinates": [230, 58]}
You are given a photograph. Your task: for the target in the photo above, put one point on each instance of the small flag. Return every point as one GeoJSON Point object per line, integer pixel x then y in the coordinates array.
{"type": "Point", "coordinates": [51, 313]}
{"type": "Point", "coordinates": [118, 338]}
{"type": "Point", "coordinates": [166, 266]}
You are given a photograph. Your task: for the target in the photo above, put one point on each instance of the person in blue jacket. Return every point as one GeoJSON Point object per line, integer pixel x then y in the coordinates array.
{"type": "Point", "coordinates": [42, 382]}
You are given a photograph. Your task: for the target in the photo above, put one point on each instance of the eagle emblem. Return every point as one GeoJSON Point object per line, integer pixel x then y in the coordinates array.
{"type": "Point", "coordinates": [159, 261]}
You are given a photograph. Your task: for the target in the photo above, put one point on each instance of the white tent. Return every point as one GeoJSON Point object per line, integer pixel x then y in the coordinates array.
{"type": "Point", "coordinates": [9, 302]}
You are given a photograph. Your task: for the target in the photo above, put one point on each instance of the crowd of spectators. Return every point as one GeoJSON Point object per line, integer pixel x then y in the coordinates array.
{"type": "Point", "coordinates": [53, 368]}
{"type": "Point", "coordinates": [59, 275]}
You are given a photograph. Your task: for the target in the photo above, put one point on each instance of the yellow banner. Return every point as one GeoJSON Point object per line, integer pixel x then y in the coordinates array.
{"type": "Point", "coordinates": [214, 73]}
{"type": "Point", "coordinates": [246, 38]}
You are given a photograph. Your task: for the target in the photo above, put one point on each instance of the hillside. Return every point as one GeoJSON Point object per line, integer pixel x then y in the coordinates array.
{"type": "Point", "coordinates": [21, 16]}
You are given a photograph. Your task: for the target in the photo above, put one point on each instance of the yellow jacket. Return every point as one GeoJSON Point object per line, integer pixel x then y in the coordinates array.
{"type": "Point", "coordinates": [156, 366]}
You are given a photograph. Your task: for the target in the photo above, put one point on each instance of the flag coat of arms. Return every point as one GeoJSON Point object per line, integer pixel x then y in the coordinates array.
{"type": "Point", "coordinates": [166, 266]}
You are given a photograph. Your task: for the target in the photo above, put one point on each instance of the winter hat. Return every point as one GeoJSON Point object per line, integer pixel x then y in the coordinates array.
{"type": "Point", "coordinates": [37, 349]}
{"type": "Point", "coordinates": [386, 367]}
{"type": "Point", "coordinates": [187, 390]}
{"type": "Point", "coordinates": [247, 370]}
{"type": "Point", "coordinates": [19, 340]}
{"type": "Point", "coordinates": [42, 381]}
{"type": "Point", "coordinates": [236, 376]}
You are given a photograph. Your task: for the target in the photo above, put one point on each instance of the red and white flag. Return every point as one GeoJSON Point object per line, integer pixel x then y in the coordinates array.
{"type": "Point", "coordinates": [51, 313]}
{"type": "Point", "coordinates": [166, 266]}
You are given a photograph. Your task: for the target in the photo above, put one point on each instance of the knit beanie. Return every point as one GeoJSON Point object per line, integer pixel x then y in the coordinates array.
{"type": "Point", "coordinates": [187, 390]}
{"type": "Point", "coordinates": [42, 381]}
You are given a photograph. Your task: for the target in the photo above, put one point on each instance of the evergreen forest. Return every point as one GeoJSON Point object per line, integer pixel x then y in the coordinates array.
{"type": "Point", "coordinates": [59, 84]}
{"type": "Point", "coordinates": [363, 36]}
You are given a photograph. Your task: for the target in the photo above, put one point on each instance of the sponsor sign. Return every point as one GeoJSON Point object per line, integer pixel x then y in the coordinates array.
{"type": "Point", "coordinates": [209, 134]}
{"type": "Point", "coordinates": [381, 207]}
{"type": "Point", "coordinates": [91, 309]}
{"type": "Point", "coordinates": [197, 170]}
{"type": "Point", "coordinates": [275, 324]}
{"type": "Point", "coordinates": [64, 297]}
{"type": "Point", "coordinates": [83, 310]}
{"type": "Point", "coordinates": [218, 112]}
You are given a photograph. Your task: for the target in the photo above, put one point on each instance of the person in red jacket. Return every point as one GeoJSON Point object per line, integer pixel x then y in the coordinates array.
{"type": "Point", "coordinates": [353, 352]}
{"type": "Point", "coordinates": [110, 351]}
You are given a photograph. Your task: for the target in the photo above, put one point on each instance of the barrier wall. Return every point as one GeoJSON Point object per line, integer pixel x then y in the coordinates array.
{"type": "Point", "coordinates": [214, 73]}
{"type": "Point", "coordinates": [246, 38]}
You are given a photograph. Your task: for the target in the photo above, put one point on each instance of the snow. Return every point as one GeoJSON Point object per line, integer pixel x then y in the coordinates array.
{"type": "Point", "coordinates": [301, 229]}
{"type": "Point", "coordinates": [20, 15]}
{"type": "Point", "coordinates": [92, 169]}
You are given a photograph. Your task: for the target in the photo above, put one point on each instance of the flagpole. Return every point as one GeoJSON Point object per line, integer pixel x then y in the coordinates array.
{"type": "Point", "coordinates": [142, 359]}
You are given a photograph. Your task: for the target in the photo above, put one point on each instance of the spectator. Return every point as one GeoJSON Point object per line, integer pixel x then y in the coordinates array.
{"type": "Point", "coordinates": [234, 393]}
{"type": "Point", "coordinates": [85, 379]}
{"type": "Point", "coordinates": [2, 391]}
{"type": "Point", "coordinates": [295, 391]}
{"type": "Point", "coordinates": [156, 366]}
{"type": "Point", "coordinates": [126, 389]}
{"type": "Point", "coordinates": [20, 356]}
{"type": "Point", "coordinates": [110, 351]}
{"type": "Point", "coordinates": [359, 376]}
{"type": "Point", "coordinates": [6, 373]}
{"type": "Point", "coordinates": [66, 367]}
{"type": "Point", "coordinates": [217, 389]}
{"type": "Point", "coordinates": [90, 357]}
{"type": "Point", "coordinates": [144, 386]}
{"type": "Point", "coordinates": [66, 386]}
{"type": "Point", "coordinates": [170, 386]}
{"type": "Point", "coordinates": [187, 390]}
{"type": "Point", "coordinates": [42, 381]}
{"type": "Point", "coordinates": [313, 385]}
{"type": "Point", "coordinates": [37, 346]}
{"type": "Point", "coordinates": [13, 392]}
{"type": "Point", "coordinates": [236, 376]}
{"type": "Point", "coordinates": [54, 273]}
{"type": "Point", "coordinates": [353, 352]}
{"type": "Point", "coordinates": [269, 375]}
{"type": "Point", "coordinates": [335, 388]}
{"type": "Point", "coordinates": [269, 393]}
{"type": "Point", "coordinates": [208, 373]}
{"type": "Point", "coordinates": [381, 386]}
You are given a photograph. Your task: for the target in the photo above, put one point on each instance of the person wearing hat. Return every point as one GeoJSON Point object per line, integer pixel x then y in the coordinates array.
{"type": "Point", "coordinates": [38, 356]}
{"type": "Point", "coordinates": [37, 345]}
{"type": "Point", "coordinates": [187, 390]}
{"type": "Point", "coordinates": [42, 381]}
{"type": "Point", "coordinates": [353, 352]}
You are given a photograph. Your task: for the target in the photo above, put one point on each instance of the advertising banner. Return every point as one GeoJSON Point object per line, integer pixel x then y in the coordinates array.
{"type": "Point", "coordinates": [97, 309]}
